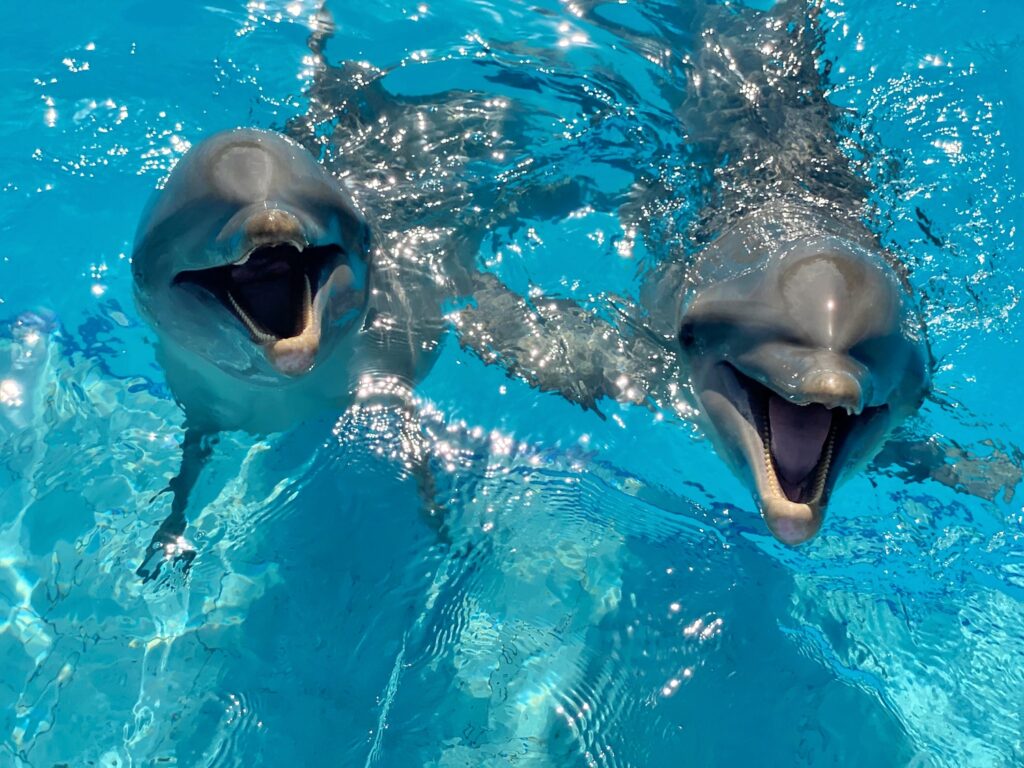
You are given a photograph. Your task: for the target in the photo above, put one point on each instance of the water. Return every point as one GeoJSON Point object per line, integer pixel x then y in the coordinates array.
{"type": "Point", "coordinates": [602, 592]}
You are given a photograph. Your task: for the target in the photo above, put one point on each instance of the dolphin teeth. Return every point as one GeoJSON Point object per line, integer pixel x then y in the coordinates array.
{"type": "Point", "coordinates": [260, 336]}
{"type": "Point", "coordinates": [244, 259]}
{"type": "Point", "coordinates": [825, 466]}
{"type": "Point", "coordinates": [820, 472]}
{"type": "Point", "coordinates": [307, 304]}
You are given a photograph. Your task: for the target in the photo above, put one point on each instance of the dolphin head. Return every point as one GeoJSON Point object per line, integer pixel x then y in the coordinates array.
{"type": "Point", "coordinates": [803, 357]}
{"type": "Point", "coordinates": [252, 258]}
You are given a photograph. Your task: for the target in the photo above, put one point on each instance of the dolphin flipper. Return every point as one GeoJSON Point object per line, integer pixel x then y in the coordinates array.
{"type": "Point", "coordinates": [555, 344]}
{"type": "Point", "coordinates": [167, 543]}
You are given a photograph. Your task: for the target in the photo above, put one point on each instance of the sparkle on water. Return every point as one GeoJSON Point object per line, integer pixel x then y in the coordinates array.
{"type": "Point", "coordinates": [580, 591]}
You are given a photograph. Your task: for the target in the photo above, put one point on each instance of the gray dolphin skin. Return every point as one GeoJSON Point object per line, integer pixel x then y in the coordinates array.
{"type": "Point", "coordinates": [789, 328]}
{"type": "Point", "coordinates": [252, 266]}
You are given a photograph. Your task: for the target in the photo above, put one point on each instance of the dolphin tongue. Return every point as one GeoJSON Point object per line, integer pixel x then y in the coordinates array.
{"type": "Point", "coordinates": [798, 434]}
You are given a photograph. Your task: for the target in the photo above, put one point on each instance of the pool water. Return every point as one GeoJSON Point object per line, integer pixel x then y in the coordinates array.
{"type": "Point", "coordinates": [602, 591]}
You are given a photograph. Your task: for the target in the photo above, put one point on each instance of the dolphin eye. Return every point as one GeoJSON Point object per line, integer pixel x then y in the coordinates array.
{"type": "Point", "coordinates": [883, 360]}
{"type": "Point", "coordinates": [687, 339]}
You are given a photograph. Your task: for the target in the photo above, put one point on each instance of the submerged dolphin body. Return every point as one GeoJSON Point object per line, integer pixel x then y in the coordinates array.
{"type": "Point", "coordinates": [794, 331]}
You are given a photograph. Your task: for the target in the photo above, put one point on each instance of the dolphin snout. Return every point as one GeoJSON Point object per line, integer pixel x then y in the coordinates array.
{"type": "Point", "coordinates": [835, 389]}
{"type": "Point", "coordinates": [274, 226]}
{"type": "Point", "coordinates": [256, 226]}
{"type": "Point", "coordinates": [295, 356]}
{"type": "Point", "coordinates": [790, 523]}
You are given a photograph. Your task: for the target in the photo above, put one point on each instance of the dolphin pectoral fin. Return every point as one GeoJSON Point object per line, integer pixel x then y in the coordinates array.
{"type": "Point", "coordinates": [434, 509]}
{"type": "Point", "coordinates": [556, 345]}
{"type": "Point", "coordinates": [168, 543]}
{"type": "Point", "coordinates": [987, 470]}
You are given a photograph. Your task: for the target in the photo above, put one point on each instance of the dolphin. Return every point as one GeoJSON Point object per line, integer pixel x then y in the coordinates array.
{"type": "Point", "coordinates": [804, 350]}
{"type": "Point", "coordinates": [257, 272]}
{"type": "Point", "coordinates": [252, 266]}
{"type": "Point", "coordinates": [287, 274]}
{"type": "Point", "coordinates": [792, 332]}
{"type": "Point", "coordinates": [800, 333]}
{"type": "Point", "coordinates": [799, 348]}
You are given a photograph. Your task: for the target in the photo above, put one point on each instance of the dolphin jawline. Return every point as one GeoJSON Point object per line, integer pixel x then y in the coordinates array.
{"type": "Point", "coordinates": [767, 434]}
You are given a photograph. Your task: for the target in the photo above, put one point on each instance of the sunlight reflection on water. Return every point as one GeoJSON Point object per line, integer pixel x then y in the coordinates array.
{"type": "Point", "coordinates": [592, 592]}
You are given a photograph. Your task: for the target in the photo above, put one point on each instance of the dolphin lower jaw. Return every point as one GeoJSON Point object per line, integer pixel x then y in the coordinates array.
{"type": "Point", "coordinates": [793, 509]}
{"type": "Point", "coordinates": [296, 355]}
{"type": "Point", "coordinates": [793, 454]}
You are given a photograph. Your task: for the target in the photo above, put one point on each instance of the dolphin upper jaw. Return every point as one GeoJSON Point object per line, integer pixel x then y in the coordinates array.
{"type": "Point", "coordinates": [261, 225]}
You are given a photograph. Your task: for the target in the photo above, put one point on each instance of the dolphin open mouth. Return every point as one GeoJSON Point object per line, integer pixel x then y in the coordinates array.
{"type": "Point", "coordinates": [272, 290]}
{"type": "Point", "coordinates": [795, 451]}
{"type": "Point", "coordinates": [799, 444]}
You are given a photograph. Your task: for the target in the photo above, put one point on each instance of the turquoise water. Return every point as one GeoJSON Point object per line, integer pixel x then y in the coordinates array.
{"type": "Point", "coordinates": [603, 592]}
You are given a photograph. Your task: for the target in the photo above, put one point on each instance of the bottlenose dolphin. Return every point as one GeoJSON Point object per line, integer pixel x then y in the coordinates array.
{"type": "Point", "coordinates": [256, 270]}
{"type": "Point", "coordinates": [287, 274]}
{"type": "Point", "coordinates": [801, 337]}
{"type": "Point", "coordinates": [804, 350]}
{"type": "Point", "coordinates": [252, 266]}
{"type": "Point", "coordinates": [793, 331]}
